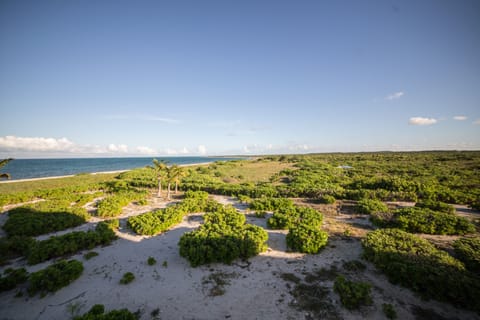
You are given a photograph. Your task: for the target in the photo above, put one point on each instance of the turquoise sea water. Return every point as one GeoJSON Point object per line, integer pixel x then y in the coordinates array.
{"type": "Point", "coordinates": [40, 168]}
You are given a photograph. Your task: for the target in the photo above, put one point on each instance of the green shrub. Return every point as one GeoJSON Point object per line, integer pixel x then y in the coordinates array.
{"type": "Point", "coordinates": [112, 223]}
{"type": "Point", "coordinates": [422, 220]}
{"type": "Point", "coordinates": [158, 221]}
{"type": "Point", "coordinates": [289, 217]}
{"type": "Point", "coordinates": [270, 204]}
{"type": "Point", "coordinates": [90, 255]}
{"type": "Point", "coordinates": [415, 263]}
{"type": "Point", "coordinates": [112, 205]}
{"type": "Point", "coordinates": [369, 206]}
{"type": "Point", "coordinates": [14, 247]}
{"type": "Point", "coordinates": [352, 294]}
{"type": "Point", "coordinates": [468, 251]}
{"type": "Point", "coordinates": [222, 238]}
{"type": "Point", "coordinates": [307, 239]}
{"type": "Point", "coordinates": [127, 278]}
{"type": "Point", "coordinates": [37, 220]}
{"type": "Point", "coordinates": [327, 199]}
{"type": "Point", "coordinates": [54, 277]}
{"type": "Point", "coordinates": [389, 311]}
{"type": "Point", "coordinates": [70, 243]}
{"type": "Point", "coordinates": [436, 206]}
{"type": "Point", "coordinates": [151, 261]}
{"type": "Point", "coordinates": [12, 278]}
{"type": "Point", "coordinates": [198, 195]}
{"type": "Point", "coordinates": [97, 312]}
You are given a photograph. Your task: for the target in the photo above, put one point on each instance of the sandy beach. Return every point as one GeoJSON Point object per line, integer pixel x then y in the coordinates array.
{"type": "Point", "coordinates": [256, 289]}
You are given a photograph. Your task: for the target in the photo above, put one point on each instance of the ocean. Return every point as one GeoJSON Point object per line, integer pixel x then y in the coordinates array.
{"type": "Point", "coordinates": [41, 168]}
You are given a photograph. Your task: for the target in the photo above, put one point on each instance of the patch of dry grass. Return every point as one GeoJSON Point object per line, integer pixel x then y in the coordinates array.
{"type": "Point", "coordinates": [248, 170]}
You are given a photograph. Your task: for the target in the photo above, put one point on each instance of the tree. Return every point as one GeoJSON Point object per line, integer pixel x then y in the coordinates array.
{"type": "Point", "coordinates": [178, 174]}
{"type": "Point", "coordinates": [170, 178]}
{"type": "Point", "coordinates": [3, 163]}
{"type": "Point", "coordinates": [160, 168]}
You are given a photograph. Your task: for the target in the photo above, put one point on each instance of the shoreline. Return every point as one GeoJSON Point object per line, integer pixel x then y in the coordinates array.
{"type": "Point", "coordinates": [92, 173]}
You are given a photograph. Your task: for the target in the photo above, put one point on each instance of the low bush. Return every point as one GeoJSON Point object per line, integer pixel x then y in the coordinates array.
{"type": "Point", "coordinates": [127, 278]}
{"type": "Point", "coordinates": [415, 263]}
{"type": "Point", "coordinates": [289, 217]}
{"type": "Point", "coordinates": [369, 206]}
{"type": "Point", "coordinates": [307, 239]}
{"type": "Point", "coordinates": [436, 206]}
{"type": "Point", "coordinates": [42, 218]}
{"type": "Point", "coordinates": [70, 243]}
{"type": "Point", "coordinates": [151, 261]}
{"type": "Point", "coordinates": [223, 237]}
{"type": "Point", "coordinates": [112, 205]}
{"type": "Point", "coordinates": [271, 204]}
{"type": "Point", "coordinates": [14, 247]}
{"type": "Point", "coordinates": [97, 312]}
{"type": "Point", "coordinates": [423, 220]}
{"type": "Point", "coordinates": [54, 277]}
{"type": "Point", "coordinates": [352, 294]}
{"type": "Point", "coordinates": [12, 277]}
{"type": "Point", "coordinates": [327, 199]}
{"type": "Point", "coordinates": [158, 221]}
{"type": "Point", "coordinates": [468, 251]}
{"type": "Point", "coordinates": [90, 255]}
{"type": "Point", "coordinates": [389, 311]}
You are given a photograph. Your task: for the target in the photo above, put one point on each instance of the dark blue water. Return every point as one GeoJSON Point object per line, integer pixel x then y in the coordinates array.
{"type": "Point", "coordinates": [40, 168]}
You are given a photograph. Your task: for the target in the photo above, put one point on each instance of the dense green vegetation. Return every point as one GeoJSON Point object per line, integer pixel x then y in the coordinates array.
{"type": "Point", "coordinates": [439, 176]}
{"type": "Point", "coordinates": [306, 238]}
{"type": "Point", "coordinates": [161, 220]}
{"type": "Point", "coordinates": [423, 220]}
{"type": "Point", "coordinates": [113, 204]}
{"type": "Point", "coordinates": [97, 312]}
{"type": "Point", "coordinates": [352, 294]}
{"type": "Point", "coordinates": [303, 223]}
{"type": "Point", "coordinates": [127, 278]}
{"type": "Point", "coordinates": [223, 237]}
{"type": "Point", "coordinates": [12, 278]}
{"type": "Point", "coordinates": [44, 217]}
{"type": "Point", "coordinates": [415, 263]}
{"type": "Point", "coordinates": [468, 251]}
{"type": "Point", "coordinates": [435, 206]}
{"type": "Point", "coordinates": [70, 243]}
{"type": "Point", "coordinates": [369, 206]}
{"type": "Point", "coordinates": [54, 277]}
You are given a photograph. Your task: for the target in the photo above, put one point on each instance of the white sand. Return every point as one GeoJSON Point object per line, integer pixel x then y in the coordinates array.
{"type": "Point", "coordinates": [255, 291]}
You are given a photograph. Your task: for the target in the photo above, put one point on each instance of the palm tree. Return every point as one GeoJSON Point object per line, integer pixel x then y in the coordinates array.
{"type": "Point", "coordinates": [170, 179]}
{"type": "Point", "coordinates": [178, 174]}
{"type": "Point", "coordinates": [160, 168]}
{"type": "Point", "coordinates": [3, 163]}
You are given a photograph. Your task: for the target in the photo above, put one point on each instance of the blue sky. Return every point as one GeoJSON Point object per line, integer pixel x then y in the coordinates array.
{"type": "Point", "coordinates": [122, 78]}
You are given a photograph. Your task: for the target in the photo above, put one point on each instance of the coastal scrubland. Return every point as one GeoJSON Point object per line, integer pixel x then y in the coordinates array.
{"type": "Point", "coordinates": [320, 236]}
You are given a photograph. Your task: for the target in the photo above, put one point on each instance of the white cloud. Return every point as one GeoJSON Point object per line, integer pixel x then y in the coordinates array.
{"type": "Point", "coordinates": [171, 152]}
{"type": "Point", "coordinates": [121, 148]}
{"type": "Point", "coordinates": [35, 144]}
{"type": "Point", "coordinates": [420, 121]}
{"type": "Point", "coordinates": [40, 146]}
{"type": "Point", "coordinates": [460, 118]}
{"type": "Point", "coordinates": [184, 151]}
{"type": "Point", "coordinates": [394, 96]}
{"type": "Point", "coordinates": [202, 149]}
{"type": "Point", "coordinates": [145, 150]}
{"type": "Point", "coordinates": [477, 122]}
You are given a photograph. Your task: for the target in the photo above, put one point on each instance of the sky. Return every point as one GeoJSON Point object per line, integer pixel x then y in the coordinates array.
{"type": "Point", "coordinates": [169, 78]}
